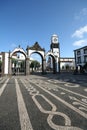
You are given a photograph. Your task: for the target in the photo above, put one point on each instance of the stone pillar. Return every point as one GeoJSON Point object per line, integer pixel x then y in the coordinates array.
{"type": "Point", "coordinates": [44, 66]}
{"type": "Point", "coordinates": [57, 64]}
{"type": "Point", "coordinates": [3, 64]}
{"type": "Point", "coordinates": [27, 66]}
{"type": "Point", "coordinates": [9, 67]}
{"type": "Point", "coordinates": [54, 66]}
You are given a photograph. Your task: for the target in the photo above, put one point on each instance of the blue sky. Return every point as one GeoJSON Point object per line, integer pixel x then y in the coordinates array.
{"type": "Point", "coordinates": [23, 22]}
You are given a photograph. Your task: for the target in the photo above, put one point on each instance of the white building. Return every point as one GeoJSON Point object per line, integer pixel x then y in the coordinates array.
{"type": "Point", "coordinates": [80, 56]}
{"type": "Point", "coordinates": [67, 63]}
{"type": "Point", "coordinates": [4, 59]}
{"type": "Point", "coordinates": [0, 57]}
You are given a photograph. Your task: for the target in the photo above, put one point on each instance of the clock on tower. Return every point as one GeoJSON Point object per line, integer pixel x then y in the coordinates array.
{"type": "Point", "coordinates": [54, 44]}
{"type": "Point", "coordinates": [54, 39]}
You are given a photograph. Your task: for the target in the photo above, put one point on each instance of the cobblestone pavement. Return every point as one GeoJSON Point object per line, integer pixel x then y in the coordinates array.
{"type": "Point", "coordinates": [43, 102]}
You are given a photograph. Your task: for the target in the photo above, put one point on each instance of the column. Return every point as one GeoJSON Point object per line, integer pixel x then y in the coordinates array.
{"type": "Point", "coordinates": [57, 64]}
{"type": "Point", "coordinates": [3, 63]}
{"type": "Point", "coordinates": [27, 66]}
{"type": "Point", "coordinates": [9, 67]}
{"type": "Point", "coordinates": [44, 66]}
{"type": "Point", "coordinates": [54, 66]}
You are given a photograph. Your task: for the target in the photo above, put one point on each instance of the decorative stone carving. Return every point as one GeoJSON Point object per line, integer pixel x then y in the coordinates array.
{"type": "Point", "coordinates": [37, 47]}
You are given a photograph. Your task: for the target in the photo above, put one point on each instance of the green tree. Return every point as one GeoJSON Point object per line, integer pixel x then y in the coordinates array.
{"type": "Point", "coordinates": [34, 64]}
{"type": "Point", "coordinates": [14, 61]}
{"type": "Point", "coordinates": [67, 67]}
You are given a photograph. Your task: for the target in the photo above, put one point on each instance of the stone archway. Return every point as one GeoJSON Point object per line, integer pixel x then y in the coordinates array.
{"type": "Point", "coordinates": [53, 60]}
{"type": "Point", "coordinates": [37, 49]}
{"type": "Point", "coordinates": [18, 50]}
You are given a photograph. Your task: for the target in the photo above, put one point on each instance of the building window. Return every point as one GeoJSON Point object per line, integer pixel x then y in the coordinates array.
{"type": "Point", "coordinates": [78, 52]}
{"type": "Point", "coordinates": [85, 59]}
{"type": "Point", "coordinates": [85, 51]}
{"type": "Point", "coordinates": [78, 59]}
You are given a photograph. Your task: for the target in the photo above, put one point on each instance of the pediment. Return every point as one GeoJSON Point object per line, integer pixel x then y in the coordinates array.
{"type": "Point", "coordinates": [37, 47]}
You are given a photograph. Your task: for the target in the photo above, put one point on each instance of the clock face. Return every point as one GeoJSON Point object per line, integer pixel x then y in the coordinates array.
{"type": "Point", "coordinates": [55, 40]}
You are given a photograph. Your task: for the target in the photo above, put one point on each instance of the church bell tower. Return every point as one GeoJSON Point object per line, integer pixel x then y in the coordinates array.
{"type": "Point", "coordinates": [55, 50]}
{"type": "Point", "coordinates": [55, 45]}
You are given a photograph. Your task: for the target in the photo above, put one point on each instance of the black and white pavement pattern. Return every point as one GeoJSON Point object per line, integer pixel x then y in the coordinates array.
{"type": "Point", "coordinates": [43, 102]}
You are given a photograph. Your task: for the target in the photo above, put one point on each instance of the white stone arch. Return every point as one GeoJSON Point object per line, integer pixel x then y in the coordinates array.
{"type": "Point", "coordinates": [21, 50]}
{"type": "Point", "coordinates": [50, 53]}
{"type": "Point", "coordinates": [41, 53]}
{"type": "Point", "coordinates": [37, 49]}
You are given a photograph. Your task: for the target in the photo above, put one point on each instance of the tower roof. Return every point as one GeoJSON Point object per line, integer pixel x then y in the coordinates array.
{"type": "Point", "coordinates": [54, 35]}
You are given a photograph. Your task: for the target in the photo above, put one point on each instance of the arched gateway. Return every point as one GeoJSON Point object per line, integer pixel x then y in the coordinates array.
{"type": "Point", "coordinates": [18, 50]}
{"type": "Point", "coordinates": [54, 53]}
{"type": "Point", "coordinates": [41, 51]}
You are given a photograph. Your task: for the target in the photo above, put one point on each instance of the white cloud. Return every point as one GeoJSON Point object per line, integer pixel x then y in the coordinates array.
{"type": "Point", "coordinates": [80, 42]}
{"type": "Point", "coordinates": [81, 15]}
{"type": "Point", "coordinates": [80, 32]}
{"type": "Point", "coordinates": [84, 11]}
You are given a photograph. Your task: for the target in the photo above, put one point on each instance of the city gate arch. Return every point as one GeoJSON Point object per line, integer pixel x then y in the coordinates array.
{"type": "Point", "coordinates": [18, 50]}
{"type": "Point", "coordinates": [49, 53]}
{"type": "Point", "coordinates": [41, 51]}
